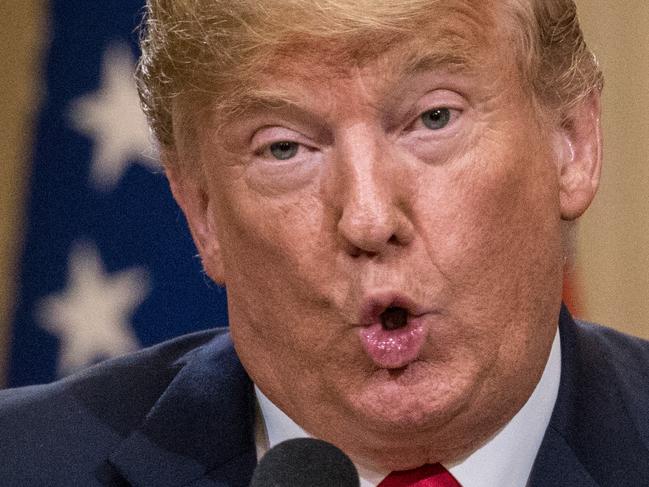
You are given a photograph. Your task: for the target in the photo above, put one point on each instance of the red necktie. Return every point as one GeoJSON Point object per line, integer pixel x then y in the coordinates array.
{"type": "Point", "coordinates": [426, 476]}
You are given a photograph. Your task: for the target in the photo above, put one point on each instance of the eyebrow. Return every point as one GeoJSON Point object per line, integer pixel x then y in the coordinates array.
{"type": "Point", "coordinates": [266, 101]}
{"type": "Point", "coordinates": [269, 99]}
{"type": "Point", "coordinates": [437, 59]}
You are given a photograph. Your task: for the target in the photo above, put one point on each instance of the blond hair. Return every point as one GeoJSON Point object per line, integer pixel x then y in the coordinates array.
{"type": "Point", "coordinates": [198, 50]}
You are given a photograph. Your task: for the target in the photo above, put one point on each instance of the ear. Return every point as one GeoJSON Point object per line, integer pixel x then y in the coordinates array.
{"type": "Point", "coordinates": [189, 190]}
{"type": "Point", "coordinates": [580, 156]}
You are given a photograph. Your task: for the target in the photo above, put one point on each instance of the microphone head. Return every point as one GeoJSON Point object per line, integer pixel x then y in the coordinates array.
{"type": "Point", "coordinates": [304, 462]}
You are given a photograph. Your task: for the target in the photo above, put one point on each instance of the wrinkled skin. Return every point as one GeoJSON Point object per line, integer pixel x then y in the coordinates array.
{"type": "Point", "coordinates": [464, 219]}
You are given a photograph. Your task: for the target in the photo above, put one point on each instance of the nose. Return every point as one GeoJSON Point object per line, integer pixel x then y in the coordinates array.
{"type": "Point", "coordinates": [370, 197]}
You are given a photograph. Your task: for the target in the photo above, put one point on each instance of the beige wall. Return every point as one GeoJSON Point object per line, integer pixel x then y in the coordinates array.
{"type": "Point", "coordinates": [21, 36]}
{"type": "Point", "coordinates": [614, 239]}
{"type": "Point", "coordinates": [614, 243]}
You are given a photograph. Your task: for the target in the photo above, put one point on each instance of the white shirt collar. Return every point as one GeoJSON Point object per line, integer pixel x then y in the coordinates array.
{"type": "Point", "coordinates": [506, 459]}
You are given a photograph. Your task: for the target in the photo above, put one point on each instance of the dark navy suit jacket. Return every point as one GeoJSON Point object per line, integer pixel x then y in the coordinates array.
{"type": "Point", "coordinates": [182, 414]}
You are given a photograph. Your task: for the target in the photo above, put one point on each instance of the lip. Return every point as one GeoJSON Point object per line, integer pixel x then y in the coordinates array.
{"type": "Point", "coordinates": [392, 349]}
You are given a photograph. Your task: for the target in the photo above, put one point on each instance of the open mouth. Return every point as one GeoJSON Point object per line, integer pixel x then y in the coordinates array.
{"type": "Point", "coordinates": [392, 310]}
{"type": "Point", "coordinates": [393, 318]}
{"type": "Point", "coordinates": [393, 332]}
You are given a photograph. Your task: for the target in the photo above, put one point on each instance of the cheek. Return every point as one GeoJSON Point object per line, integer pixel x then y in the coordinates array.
{"type": "Point", "coordinates": [267, 237]}
{"type": "Point", "coordinates": [488, 216]}
{"type": "Point", "coordinates": [276, 252]}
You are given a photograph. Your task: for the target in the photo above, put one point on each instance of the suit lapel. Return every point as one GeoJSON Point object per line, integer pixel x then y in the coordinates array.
{"type": "Point", "coordinates": [201, 430]}
{"type": "Point", "coordinates": [557, 465]}
{"type": "Point", "coordinates": [592, 440]}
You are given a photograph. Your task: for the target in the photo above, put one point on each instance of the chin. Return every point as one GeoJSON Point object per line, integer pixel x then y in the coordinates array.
{"type": "Point", "coordinates": [408, 400]}
{"type": "Point", "coordinates": [407, 417]}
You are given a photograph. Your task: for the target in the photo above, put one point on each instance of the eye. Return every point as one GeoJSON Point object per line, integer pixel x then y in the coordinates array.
{"type": "Point", "coordinates": [284, 150]}
{"type": "Point", "coordinates": [436, 119]}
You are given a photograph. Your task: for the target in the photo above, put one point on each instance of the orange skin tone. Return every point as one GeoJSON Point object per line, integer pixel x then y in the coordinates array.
{"type": "Point", "coordinates": [465, 219]}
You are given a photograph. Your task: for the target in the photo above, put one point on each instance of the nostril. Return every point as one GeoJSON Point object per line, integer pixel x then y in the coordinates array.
{"type": "Point", "coordinates": [394, 318]}
{"type": "Point", "coordinates": [356, 252]}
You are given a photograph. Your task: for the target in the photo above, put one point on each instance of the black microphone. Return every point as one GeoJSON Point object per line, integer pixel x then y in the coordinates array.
{"type": "Point", "coordinates": [305, 462]}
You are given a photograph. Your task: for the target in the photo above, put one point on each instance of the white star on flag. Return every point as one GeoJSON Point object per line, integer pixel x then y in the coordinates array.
{"type": "Point", "coordinates": [91, 317]}
{"type": "Point", "coordinates": [112, 117]}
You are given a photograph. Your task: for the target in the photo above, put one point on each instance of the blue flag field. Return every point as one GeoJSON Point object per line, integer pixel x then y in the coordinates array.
{"type": "Point", "coordinates": [108, 265]}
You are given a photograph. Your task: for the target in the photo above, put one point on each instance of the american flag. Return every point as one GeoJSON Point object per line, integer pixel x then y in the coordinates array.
{"type": "Point", "coordinates": [108, 265]}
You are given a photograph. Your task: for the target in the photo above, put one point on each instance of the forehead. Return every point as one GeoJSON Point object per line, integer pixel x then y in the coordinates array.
{"type": "Point", "coordinates": [461, 35]}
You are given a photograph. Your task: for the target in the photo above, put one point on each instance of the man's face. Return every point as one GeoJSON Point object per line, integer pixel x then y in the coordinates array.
{"type": "Point", "coordinates": [431, 191]}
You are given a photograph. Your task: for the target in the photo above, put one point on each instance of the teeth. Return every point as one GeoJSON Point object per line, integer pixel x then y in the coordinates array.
{"type": "Point", "coordinates": [394, 318]}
